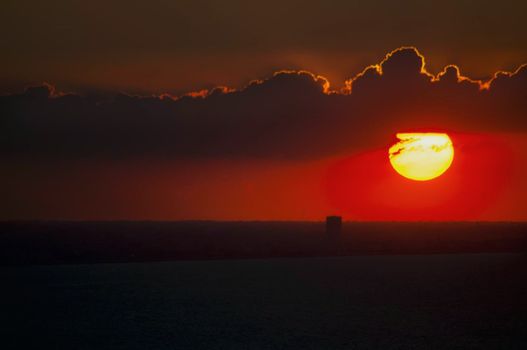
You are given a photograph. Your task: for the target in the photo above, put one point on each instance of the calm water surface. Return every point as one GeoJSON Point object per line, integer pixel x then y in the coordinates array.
{"type": "Point", "coordinates": [362, 302]}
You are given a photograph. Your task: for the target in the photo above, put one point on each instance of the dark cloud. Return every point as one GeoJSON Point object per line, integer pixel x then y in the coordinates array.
{"type": "Point", "coordinates": [290, 115]}
{"type": "Point", "coordinates": [154, 46]}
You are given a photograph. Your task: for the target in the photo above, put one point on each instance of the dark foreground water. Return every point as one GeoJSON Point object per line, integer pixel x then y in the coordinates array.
{"type": "Point", "coordinates": [361, 302]}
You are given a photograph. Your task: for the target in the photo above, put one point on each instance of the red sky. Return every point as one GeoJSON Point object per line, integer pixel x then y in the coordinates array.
{"type": "Point", "coordinates": [283, 148]}
{"type": "Point", "coordinates": [485, 182]}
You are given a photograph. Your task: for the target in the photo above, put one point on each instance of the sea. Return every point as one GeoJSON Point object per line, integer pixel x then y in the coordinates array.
{"type": "Point", "coordinates": [435, 301]}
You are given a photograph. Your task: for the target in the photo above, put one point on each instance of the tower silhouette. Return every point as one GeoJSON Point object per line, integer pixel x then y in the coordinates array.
{"type": "Point", "coordinates": [333, 225]}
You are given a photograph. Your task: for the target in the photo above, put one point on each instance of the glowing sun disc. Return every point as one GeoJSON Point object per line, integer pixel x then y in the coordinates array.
{"type": "Point", "coordinates": [421, 156]}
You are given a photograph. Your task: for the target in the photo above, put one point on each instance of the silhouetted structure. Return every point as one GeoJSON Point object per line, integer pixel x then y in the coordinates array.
{"type": "Point", "coordinates": [333, 225]}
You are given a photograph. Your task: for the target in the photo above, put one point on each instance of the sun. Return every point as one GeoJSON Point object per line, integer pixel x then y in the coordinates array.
{"type": "Point", "coordinates": [421, 156]}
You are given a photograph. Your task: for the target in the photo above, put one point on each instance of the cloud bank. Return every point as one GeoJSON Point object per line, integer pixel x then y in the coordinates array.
{"type": "Point", "coordinates": [290, 115]}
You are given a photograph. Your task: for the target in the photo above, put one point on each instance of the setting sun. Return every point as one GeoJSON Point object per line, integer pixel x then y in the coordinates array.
{"type": "Point", "coordinates": [421, 156]}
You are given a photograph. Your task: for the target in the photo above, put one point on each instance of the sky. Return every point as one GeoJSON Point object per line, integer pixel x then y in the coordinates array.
{"type": "Point", "coordinates": [160, 46]}
{"type": "Point", "coordinates": [232, 110]}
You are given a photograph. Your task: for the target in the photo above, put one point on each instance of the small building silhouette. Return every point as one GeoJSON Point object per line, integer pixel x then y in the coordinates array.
{"type": "Point", "coordinates": [333, 225]}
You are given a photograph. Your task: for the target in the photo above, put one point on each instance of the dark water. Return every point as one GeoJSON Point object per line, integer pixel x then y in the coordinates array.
{"type": "Point", "coordinates": [370, 302]}
{"type": "Point", "coordinates": [63, 242]}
